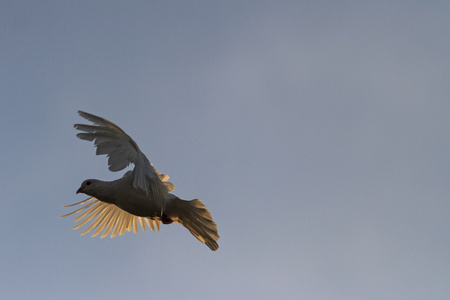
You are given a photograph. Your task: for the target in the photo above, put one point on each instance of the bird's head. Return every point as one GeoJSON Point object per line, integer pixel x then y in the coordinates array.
{"type": "Point", "coordinates": [88, 186]}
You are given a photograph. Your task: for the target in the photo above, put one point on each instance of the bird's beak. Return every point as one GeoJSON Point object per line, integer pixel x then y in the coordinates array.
{"type": "Point", "coordinates": [79, 190]}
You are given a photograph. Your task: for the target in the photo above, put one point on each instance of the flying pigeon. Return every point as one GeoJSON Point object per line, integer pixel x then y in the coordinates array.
{"type": "Point", "coordinates": [141, 196]}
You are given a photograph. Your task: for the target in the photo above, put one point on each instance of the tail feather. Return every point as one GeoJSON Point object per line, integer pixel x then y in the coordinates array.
{"type": "Point", "coordinates": [197, 219]}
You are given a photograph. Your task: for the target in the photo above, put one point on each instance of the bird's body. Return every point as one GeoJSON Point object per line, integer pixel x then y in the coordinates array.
{"type": "Point", "coordinates": [140, 196]}
{"type": "Point", "coordinates": [122, 193]}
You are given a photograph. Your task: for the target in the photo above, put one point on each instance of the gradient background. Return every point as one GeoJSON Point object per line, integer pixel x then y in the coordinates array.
{"type": "Point", "coordinates": [316, 132]}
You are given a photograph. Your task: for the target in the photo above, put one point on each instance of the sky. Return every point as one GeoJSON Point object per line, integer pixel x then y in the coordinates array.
{"type": "Point", "coordinates": [316, 132]}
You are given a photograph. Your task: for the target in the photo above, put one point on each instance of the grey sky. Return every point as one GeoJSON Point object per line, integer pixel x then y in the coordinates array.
{"type": "Point", "coordinates": [316, 133]}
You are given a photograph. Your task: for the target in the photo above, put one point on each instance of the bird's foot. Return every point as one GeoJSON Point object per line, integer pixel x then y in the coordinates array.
{"type": "Point", "coordinates": [166, 220]}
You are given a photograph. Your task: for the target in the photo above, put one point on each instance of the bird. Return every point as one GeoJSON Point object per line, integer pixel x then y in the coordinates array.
{"type": "Point", "coordinates": [141, 196]}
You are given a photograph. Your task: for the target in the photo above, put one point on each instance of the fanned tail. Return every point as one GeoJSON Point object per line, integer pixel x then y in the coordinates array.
{"type": "Point", "coordinates": [197, 219]}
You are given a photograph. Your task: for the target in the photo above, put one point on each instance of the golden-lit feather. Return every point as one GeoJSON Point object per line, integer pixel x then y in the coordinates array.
{"type": "Point", "coordinates": [108, 217]}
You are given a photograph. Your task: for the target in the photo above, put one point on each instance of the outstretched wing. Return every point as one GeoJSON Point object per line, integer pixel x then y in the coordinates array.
{"type": "Point", "coordinates": [109, 217]}
{"type": "Point", "coordinates": [122, 150]}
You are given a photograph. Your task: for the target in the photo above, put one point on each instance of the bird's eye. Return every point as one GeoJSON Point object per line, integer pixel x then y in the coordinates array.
{"type": "Point", "coordinates": [88, 183]}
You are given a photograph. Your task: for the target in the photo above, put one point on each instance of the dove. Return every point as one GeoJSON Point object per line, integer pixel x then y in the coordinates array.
{"type": "Point", "coordinates": [141, 197]}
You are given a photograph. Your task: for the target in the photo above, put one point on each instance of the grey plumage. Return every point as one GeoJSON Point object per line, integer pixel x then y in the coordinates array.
{"type": "Point", "coordinates": [140, 197]}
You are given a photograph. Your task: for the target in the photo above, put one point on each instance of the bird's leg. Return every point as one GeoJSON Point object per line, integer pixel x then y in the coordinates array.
{"type": "Point", "coordinates": [166, 220]}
